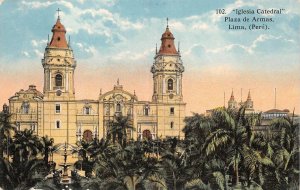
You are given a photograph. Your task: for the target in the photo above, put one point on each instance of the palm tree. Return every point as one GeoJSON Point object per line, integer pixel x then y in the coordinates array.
{"type": "Point", "coordinates": [196, 184]}
{"type": "Point", "coordinates": [128, 168]}
{"type": "Point", "coordinates": [285, 157]}
{"type": "Point", "coordinates": [47, 144]}
{"type": "Point", "coordinates": [6, 129]}
{"type": "Point", "coordinates": [85, 150]}
{"type": "Point", "coordinates": [197, 127]}
{"type": "Point", "coordinates": [7, 181]}
{"type": "Point", "coordinates": [229, 133]}
{"type": "Point", "coordinates": [253, 161]}
{"type": "Point", "coordinates": [30, 172]}
{"type": "Point", "coordinates": [119, 128]}
{"type": "Point", "coordinates": [24, 175]}
{"type": "Point", "coordinates": [26, 145]}
{"type": "Point", "coordinates": [175, 163]}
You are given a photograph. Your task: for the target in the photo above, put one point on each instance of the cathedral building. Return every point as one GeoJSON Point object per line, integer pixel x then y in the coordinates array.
{"type": "Point", "coordinates": [57, 113]}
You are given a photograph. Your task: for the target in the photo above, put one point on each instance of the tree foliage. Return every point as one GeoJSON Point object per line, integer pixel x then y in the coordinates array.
{"type": "Point", "coordinates": [219, 151]}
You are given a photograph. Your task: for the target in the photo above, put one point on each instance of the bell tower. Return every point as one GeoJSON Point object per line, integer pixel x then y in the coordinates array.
{"type": "Point", "coordinates": [232, 104]}
{"type": "Point", "coordinates": [167, 71]}
{"type": "Point", "coordinates": [59, 66]}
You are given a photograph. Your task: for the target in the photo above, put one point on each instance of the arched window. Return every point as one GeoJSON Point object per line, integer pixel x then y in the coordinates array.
{"type": "Point", "coordinates": [25, 107]}
{"type": "Point", "coordinates": [58, 80]}
{"type": "Point", "coordinates": [118, 108]}
{"type": "Point", "coordinates": [170, 84]}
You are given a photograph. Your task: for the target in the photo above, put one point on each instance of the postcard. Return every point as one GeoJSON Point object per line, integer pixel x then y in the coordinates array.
{"type": "Point", "coordinates": [131, 94]}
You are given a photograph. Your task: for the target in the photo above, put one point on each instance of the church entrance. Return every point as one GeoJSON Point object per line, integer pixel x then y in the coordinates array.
{"type": "Point", "coordinates": [87, 136]}
{"type": "Point", "coordinates": [147, 135]}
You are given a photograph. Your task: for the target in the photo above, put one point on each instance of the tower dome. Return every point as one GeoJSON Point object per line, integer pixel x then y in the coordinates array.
{"type": "Point", "coordinates": [167, 43]}
{"type": "Point", "coordinates": [58, 38]}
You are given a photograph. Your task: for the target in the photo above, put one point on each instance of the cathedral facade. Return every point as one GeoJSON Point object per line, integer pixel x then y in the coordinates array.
{"type": "Point", "coordinates": [57, 113]}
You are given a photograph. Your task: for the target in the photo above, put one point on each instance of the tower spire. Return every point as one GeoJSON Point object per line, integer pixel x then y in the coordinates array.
{"type": "Point", "coordinates": [249, 95]}
{"type": "Point", "coordinates": [232, 96]}
{"type": "Point", "coordinates": [232, 103]}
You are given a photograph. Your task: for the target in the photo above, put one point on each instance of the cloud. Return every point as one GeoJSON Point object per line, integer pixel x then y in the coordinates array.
{"type": "Point", "coordinates": [177, 25]}
{"type": "Point", "coordinates": [40, 43]}
{"type": "Point", "coordinates": [66, 4]}
{"type": "Point", "coordinates": [25, 53]}
{"type": "Point", "coordinates": [200, 26]}
{"type": "Point", "coordinates": [38, 53]}
{"type": "Point", "coordinates": [80, 45]}
{"type": "Point", "coordinates": [196, 49]}
{"type": "Point", "coordinates": [105, 15]}
{"type": "Point", "coordinates": [81, 1]}
{"type": "Point", "coordinates": [109, 2]}
{"type": "Point", "coordinates": [128, 55]}
{"type": "Point", "coordinates": [263, 38]}
{"type": "Point", "coordinates": [36, 4]}
{"type": "Point", "coordinates": [84, 50]}
{"type": "Point", "coordinates": [248, 49]}
{"type": "Point", "coordinates": [90, 25]}
{"type": "Point", "coordinates": [39, 5]}
{"type": "Point", "coordinates": [91, 19]}
{"type": "Point", "coordinates": [91, 49]}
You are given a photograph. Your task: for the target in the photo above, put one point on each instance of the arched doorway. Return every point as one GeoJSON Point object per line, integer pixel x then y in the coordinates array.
{"type": "Point", "coordinates": [87, 136]}
{"type": "Point", "coordinates": [147, 135]}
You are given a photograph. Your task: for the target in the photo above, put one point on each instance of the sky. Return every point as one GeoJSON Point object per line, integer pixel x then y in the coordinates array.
{"type": "Point", "coordinates": [115, 39]}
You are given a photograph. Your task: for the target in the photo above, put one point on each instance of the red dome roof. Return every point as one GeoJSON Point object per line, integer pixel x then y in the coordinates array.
{"type": "Point", "coordinates": [58, 38]}
{"type": "Point", "coordinates": [167, 43]}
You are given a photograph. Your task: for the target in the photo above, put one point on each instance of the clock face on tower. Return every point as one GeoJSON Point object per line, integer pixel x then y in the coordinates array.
{"type": "Point", "coordinates": [171, 96]}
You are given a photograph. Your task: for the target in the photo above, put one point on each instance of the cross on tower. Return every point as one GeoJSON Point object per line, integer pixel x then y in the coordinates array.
{"type": "Point", "coordinates": [167, 22]}
{"type": "Point", "coordinates": [58, 10]}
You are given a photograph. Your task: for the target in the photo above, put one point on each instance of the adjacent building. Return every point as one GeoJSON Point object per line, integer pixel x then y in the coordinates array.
{"type": "Point", "coordinates": [248, 104]}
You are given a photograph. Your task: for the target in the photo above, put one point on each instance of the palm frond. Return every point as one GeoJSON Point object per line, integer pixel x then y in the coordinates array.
{"type": "Point", "coordinates": [196, 184]}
